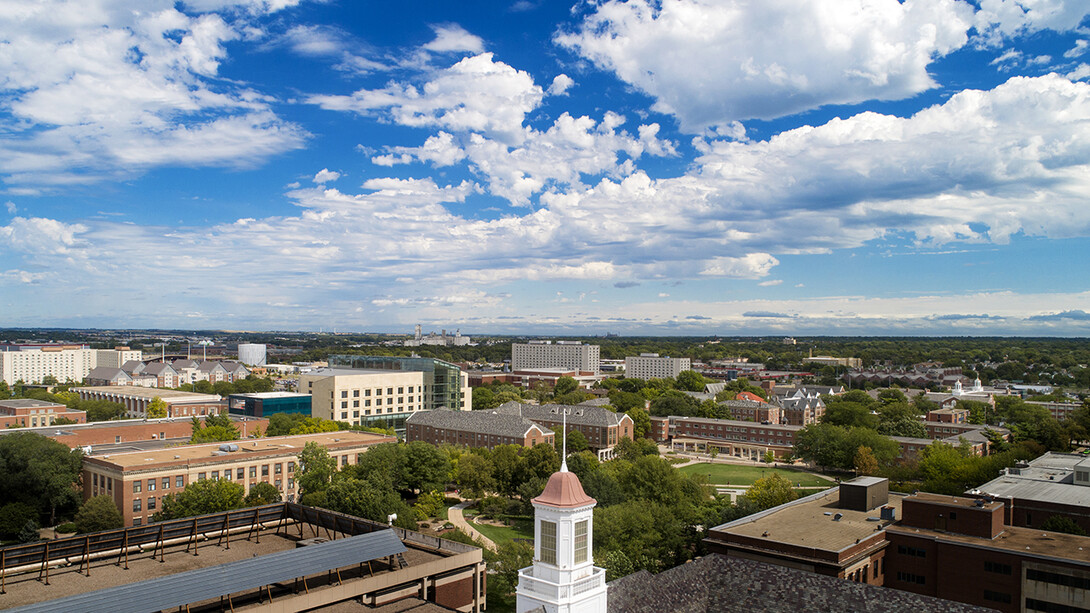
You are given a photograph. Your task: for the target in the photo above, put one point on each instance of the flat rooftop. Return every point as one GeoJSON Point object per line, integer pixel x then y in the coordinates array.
{"type": "Point", "coordinates": [347, 372]}
{"type": "Point", "coordinates": [1049, 478]}
{"type": "Point", "coordinates": [210, 452]}
{"type": "Point", "coordinates": [809, 522]}
{"type": "Point", "coordinates": [147, 393]}
{"type": "Point", "coordinates": [29, 403]}
{"type": "Point", "coordinates": [1023, 541]}
{"type": "Point", "coordinates": [954, 501]}
{"type": "Point", "coordinates": [25, 589]}
{"type": "Point", "coordinates": [266, 395]}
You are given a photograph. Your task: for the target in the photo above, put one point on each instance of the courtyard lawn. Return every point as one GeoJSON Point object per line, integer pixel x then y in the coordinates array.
{"type": "Point", "coordinates": [724, 474]}
{"type": "Point", "coordinates": [521, 528]}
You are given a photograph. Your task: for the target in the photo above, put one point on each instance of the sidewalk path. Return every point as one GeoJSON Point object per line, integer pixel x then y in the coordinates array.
{"type": "Point", "coordinates": [454, 515]}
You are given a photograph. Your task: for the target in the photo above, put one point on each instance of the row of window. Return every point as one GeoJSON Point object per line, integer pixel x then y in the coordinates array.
{"type": "Point", "coordinates": [911, 578]}
{"type": "Point", "coordinates": [229, 474]}
{"type": "Point", "coordinates": [1032, 574]}
{"type": "Point", "coordinates": [911, 551]}
{"type": "Point", "coordinates": [998, 568]}
{"type": "Point", "coordinates": [1044, 606]}
{"type": "Point", "coordinates": [378, 402]}
{"type": "Point", "coordinates": [378, 391]}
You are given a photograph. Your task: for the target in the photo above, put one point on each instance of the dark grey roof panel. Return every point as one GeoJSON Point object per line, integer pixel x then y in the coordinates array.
{"type": "Point", "coordinates": [178, 590]}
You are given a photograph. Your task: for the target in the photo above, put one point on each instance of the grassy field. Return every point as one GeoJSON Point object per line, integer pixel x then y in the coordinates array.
{"type": "Point", "coordinates": [522, 528]}
{"type": "Point", "coordinates": [724, 474]}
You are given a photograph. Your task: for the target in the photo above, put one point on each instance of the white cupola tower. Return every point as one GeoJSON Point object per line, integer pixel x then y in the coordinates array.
{"type": "Point", "coordinates": [563, 578]}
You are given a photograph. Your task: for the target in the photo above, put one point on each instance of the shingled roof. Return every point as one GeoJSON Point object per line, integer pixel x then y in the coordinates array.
{"type": "Point", "coordinates": [581, 415]}
{"type": "Point", "coordinates": [717, 583]}
{"type": "Point", "coordinates": [483, 422]}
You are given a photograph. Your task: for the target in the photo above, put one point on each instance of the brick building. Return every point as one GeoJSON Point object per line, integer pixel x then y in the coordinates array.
{"type": "Point", "coordinates": [951, 547]}
{"type": "Point", "coordinates": [1055, 484]}
{"type": "Point", "coordinates": [138, 480]}
{"type": "Point", "coordinates": [601, 427]}
{"type": "Point", "coordinates": [29, 413]}
{"type": "Point", "coordinates": [136, 400]}
{"type": "Point", "coordinates": [169, 429]}
{"type": "Point", "coordinates": [831, 533]}
{"type": "Point", "coordinates": [743, 439]}
{"type": "Point", "coordinates": [475, 429]}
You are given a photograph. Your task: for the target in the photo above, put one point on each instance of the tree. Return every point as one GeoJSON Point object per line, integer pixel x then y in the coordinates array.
{"type": "Point", "coordinates": [372, 498]}
{"type": "Point", "coordinates": [425, 467]}
{"type": "Point", "coordinates": [769, 457]}
{"type": "Point", "coordinates": [849, 414]}
{"type": "Point", "coordinates": [201, 497]}
{"type": "Point", "coordinates": [30, 532]}
{"type": "Point", "coordinates": [99, 513]}
{"type": "Point", "coordinates": [641, 422]}
{"type": "Point", "coordinates": [483, 399]}
{"type": "Point", "coordinates": [768, 492]}
{"type": "Point", "coordinates": [281, 424]}
{"type": "Point", "coordinates": [157, 408]}
{"type": "Point", "coordinates": [865, 462]}
{"type": "Point", "coordinates": [101, 410]}
{"type": "Point", "coordinates": [316, 468]}
{"type": "Point", "coordinates": [1060, 523]}
{"type": "Point", "coordinates": [474, 475]}
{"type": "Point", "coordinates": [13, 516]}
{"type": "Point", "coordinates": [576, 442]}
{"type": "Point", "coordinates": [625, 401]}
{"type": "Point", "coordinates": [691, 381]}
{"type": "Point", "coordinates": [261, 493]}
{"type": "Point", "coordinates": [39, 472]}
{"type": "Point", "coordinates": [565, 385]}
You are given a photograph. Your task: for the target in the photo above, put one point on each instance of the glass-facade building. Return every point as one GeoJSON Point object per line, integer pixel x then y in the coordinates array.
{"type": "Point", "coordinates": [442, 380]}
{"type": "Point", "coordinates": [266, 404]}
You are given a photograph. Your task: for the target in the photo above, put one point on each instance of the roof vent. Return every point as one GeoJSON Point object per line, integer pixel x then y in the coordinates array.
{"type": "Point", "coordinates": [837, 516]}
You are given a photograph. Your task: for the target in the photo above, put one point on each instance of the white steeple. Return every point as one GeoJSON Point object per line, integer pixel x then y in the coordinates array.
{"type": "Point", "coordinates": [563, 577]}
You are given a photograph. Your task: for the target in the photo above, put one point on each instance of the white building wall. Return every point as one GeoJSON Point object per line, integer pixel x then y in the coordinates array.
{"type": "Point", "coordinates": [653, 367]}
{"type": "Point", "coordinates": [564, 354]}
{"type": "Point", "coordinates": [355, 397]}
{"type": "Point", "coordinates": [252, 354]}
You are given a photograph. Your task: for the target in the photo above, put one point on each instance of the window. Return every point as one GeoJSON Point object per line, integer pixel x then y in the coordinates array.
{"type": "Point", "coordinates": [911, 551]}
{"type": "Point", "coordinates": [401, 390]}
{"type": "Point", "coordinates": [389, 391]}
{"type": "Point", "coordinates": [179, 481]}
{"type": "Point", "coordinates": [253, 472]}
{"type": "Point", "coordinates": [997, 596]}
{"type": "Point", "coordinates": [996, 567]}
{"type": "Point", "coordinates": [278, 468]}
{"type": "Point", "coordinates": [356, 405]}
{"type": "Point", "coordinates": [548, 542]}
{"type": "Point", "coordinates": [136, 521]}
{"type": "Point", "coordinates": [151, 485]}
{"type": "Point", "coordinates": [1033, 574]}
{"type": "Point", "coordinates": [344, 415]}
{"type": "Point", "coordinates": [264, 470]}
{"type": "Point", "coordinates": [166, 483]}
{"type": "Point", "coordinates": [241, 474]}
{"type": "Point", "coordinates": [953, 515]}
{"type": "Point", "coordinates": [291, 483]}
{"type": "Point", "coordinates": [291, 467]}
{"type": "Point", "coordinates": [876, 570]}
{"type": "Point", "coordinates": [344, 394]}
{"type": "Point", "coordinates": [137, 505]}
{"type": "Point", "coordinates": [201, 476]}
{"type": "Point", "coordinates": [151, 503]}
{"type": "Point", "coordinates": [137, 487]}
{"type": "Point", "coordinates": [215, 474]}
{"type": "Point", "coordinates": [1033, 604]}
{"type": "Point", "coordinates": [344, 405]}
{"type": "Point", "coordinates": [355, 393]}
{"type": "Point", "coordinates": [344, 460]}
{"type": "Point", "coordinates": [227, 474]}
{"type": "Point", "coordinates": [580, 542]}
{"type": "Point", "coordinates": [910, 578]}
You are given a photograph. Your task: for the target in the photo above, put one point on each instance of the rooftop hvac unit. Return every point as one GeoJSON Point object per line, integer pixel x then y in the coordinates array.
{"type": "Point", "coordinates": [889, 513]}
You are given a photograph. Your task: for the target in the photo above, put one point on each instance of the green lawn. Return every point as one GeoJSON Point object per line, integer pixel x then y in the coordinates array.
{"type": "Point", "coordinates": [522, 528]}
{"type": "Point", "coordinates": [723, 474]}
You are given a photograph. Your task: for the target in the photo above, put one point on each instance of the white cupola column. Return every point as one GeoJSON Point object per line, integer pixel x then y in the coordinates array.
{"type": "Point", "coordinates": [563, 577]}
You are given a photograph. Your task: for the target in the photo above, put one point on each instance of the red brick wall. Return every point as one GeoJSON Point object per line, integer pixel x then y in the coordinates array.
{"type": "Point", "coordinates": [456, 594]}
{"type": "Point", "coordinates": [971, 521]}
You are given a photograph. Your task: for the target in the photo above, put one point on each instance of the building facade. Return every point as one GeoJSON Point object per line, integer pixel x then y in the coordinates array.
{"type": "Point", "coordinates": [138, 480]}
{"type": "Point", "coordinates": [29, 413]}
{"type": "Point", "coordinates": [601, 427]}
{"type": "Point", "coordinates": [742, 439]}
{"type": "Point", "coordinates": [445, 384]}
{"type": "Point", "coordinates": [651, 366]}
{"type": "Point", "coordinates": [267, 404]}
{"type": "Point", "coordinates": [33, 363]}
{"type": "Point", "coordinates": [252, 354]}
{"type": "Point", "coordinates": [485, 429]}
{"type": "Point", "coordinates": [136, 400]}
{"type": "Point", "coordinates": [570, 355]}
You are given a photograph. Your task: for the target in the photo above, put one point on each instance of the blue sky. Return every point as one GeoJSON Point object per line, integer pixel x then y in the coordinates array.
{"type": "Point", "coordinates": [678, 167]}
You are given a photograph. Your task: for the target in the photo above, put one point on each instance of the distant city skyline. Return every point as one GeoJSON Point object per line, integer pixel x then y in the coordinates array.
{"type": "Point", "coordinates": [544, 168]}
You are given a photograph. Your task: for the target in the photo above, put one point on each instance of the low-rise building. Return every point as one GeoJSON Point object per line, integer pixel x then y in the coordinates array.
{"type": "Point", "coordinates": [750, 410]}
{"type": "Point", "coordinates": [475, 429]}
{"type": "Point", "coordinates": [136, 400]}
{"type": "Point", "coordinates": [138, 480]}
{"type": "Point", "coordinates": [103, 436]}
{"type": "Point", "coordinates": [742, 439]}
{"type": "Point", "coordinates": [267, 404]}
{"type": "Point", "coordinates": [1055, 484]}
{"type": "Point", "coordinates": [30, 413]}
{"type": "Point", "coordinates": [949, 416]}
{"type": "Point", "coordinates": [651, 366]}
{"type": "Point", "coordinates": [33, 363]}
{"type": "Point", "coordinates": [801, 407]}
{"type": "Point", "coordinates": [601, 427]}
{"type": "Point", "coordinates": [1058, 410]}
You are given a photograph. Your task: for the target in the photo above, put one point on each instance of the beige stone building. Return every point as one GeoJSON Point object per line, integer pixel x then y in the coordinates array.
{"type": "Point", "coordinates": [138, 480]}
